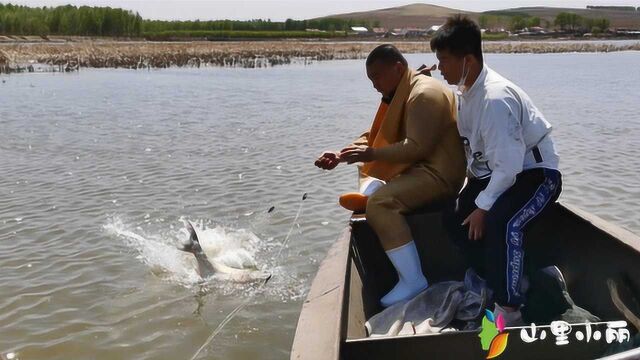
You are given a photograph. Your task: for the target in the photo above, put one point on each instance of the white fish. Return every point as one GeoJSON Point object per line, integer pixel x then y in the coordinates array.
{"type": "Point", "coordinates": [208, 267]}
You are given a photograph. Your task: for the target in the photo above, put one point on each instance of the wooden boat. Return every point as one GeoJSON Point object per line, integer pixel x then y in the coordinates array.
{"type": "Point", "coordinates": [356, 273]}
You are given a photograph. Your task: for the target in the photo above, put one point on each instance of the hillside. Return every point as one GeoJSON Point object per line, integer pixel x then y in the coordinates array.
{"type": "Point", "coordinates": [618, 18]}
{"type": "Point", "coordinates": [425, 15]}
{"type": "Point", "coordinates": [414, 15]}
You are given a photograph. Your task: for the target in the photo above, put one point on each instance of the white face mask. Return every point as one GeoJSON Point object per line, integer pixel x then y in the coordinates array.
{"type": "Point", "coordinates": [463, 79]}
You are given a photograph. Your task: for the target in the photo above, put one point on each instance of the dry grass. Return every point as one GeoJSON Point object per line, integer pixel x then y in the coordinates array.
{"type": "Point", "coordinates": [555, 47]}
{"type": "Point", "coordinates": [161, 55]}
{"type": "Point", "coordinates": [135, 55]}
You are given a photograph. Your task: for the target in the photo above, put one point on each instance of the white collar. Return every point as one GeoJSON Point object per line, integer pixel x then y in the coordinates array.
{"type": "Point", "coordinates": [479, 80]}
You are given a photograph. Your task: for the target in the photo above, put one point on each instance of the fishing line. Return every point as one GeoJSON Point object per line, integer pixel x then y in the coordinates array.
{"type": "Point", "coordinates": [237, 309]}
{"type": "Point", "coordinates": [286, 239]}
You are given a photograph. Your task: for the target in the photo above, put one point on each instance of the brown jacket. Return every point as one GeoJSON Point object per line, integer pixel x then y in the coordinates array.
{"type": "Point", "coordinates": [418, 130]}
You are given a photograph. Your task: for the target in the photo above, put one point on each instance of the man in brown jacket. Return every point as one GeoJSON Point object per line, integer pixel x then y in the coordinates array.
{"type": "Point", "coordinates": [414, 155]}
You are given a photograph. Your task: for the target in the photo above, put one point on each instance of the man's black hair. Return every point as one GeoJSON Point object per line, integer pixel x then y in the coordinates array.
{"type": "Point", "coordinates": [386, 53]}
{"type": "Point", "coordinates": [460, 36]}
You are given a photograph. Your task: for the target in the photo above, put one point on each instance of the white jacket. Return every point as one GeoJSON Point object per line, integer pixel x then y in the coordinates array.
{"type": "Point", "coordinates": [501, 129]}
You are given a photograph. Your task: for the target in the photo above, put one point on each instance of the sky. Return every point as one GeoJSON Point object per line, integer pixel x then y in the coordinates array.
{"type": "Point", "coordinates": [279, 10]}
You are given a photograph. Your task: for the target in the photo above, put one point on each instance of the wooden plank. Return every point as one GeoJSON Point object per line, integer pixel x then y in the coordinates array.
{"type": "Point", "coordinates": [356, 317]}
{"type": "Point", "coordinates": [320, 326]}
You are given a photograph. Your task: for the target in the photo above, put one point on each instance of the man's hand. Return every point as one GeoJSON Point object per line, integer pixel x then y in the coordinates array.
{"type": "Point", "coordinates": [424, 70]}
{"type": "Point", "coordinates": [328, 160]}
{"type": "Point", "coordinates": [476, 224]}
{"type": "Point", "coordinates": [357, 153]}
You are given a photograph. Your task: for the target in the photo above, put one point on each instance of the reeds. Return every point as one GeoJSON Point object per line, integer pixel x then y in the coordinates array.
{"type": "Point", "coordinates": [71, 56]}
{"type": "Point", "coordinates": [555, 47]}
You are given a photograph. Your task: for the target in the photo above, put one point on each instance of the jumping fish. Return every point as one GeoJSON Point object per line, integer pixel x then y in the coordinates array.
{"type": "Point", "coordinates": [208, 267]}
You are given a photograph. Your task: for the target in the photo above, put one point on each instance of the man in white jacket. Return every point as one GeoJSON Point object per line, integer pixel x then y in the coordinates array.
{"type": "Point", "coordinates": [512, 164]}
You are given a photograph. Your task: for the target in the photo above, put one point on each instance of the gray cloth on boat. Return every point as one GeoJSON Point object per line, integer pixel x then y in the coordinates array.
{"type": "Point", "coordinates": [432, 310]}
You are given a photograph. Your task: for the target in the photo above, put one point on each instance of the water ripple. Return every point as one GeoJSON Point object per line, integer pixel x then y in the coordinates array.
{"type": "Point", "coordinates": [139, 152]}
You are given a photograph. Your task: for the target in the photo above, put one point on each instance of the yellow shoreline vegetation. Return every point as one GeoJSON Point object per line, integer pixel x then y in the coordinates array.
{"type": "Point", "coordinates": [246, 54]}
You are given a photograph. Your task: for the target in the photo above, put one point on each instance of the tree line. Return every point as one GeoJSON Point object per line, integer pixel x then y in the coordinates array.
{"type": "Point", "coordinates": [576, 23]}
{"type": "Point", "coordinates": [615, 8]}
{"type": "Point", "coordinates": [106, 21]}
{"type": "Point", "coordinates": [564, 21]}
{"type": "Point", "coordinates": [68, 20]}
{"type": "Point", "coordinates": [325, 24]}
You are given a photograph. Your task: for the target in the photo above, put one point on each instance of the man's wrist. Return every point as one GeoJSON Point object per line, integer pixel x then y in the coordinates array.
{"type": "Point", "coordinates": [374, 153]}
{"type": "Point", "coordinates": [483, 201]}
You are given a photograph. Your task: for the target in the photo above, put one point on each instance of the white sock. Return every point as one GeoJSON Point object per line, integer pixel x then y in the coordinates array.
{"type": "Point", "coordinates": [370, 186]}
{"type": "Point", "coordinates": [412, 282]}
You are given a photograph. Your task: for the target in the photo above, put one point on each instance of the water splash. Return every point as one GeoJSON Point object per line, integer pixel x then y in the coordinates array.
{"type": "Point", "coordinates": [232, 247]}
{"type": "Point", "coordinates": [9, 356]}
{"type": "Point", "coordinates": [157, 248]}
{"type": "Point", "coordinates": [158, 251]}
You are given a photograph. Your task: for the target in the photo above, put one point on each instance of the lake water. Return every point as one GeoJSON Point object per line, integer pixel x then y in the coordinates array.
{"type": "Point", "coordinates": [98, 170]}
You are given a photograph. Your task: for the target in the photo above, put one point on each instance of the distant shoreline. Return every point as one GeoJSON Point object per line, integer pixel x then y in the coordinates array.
{"type": "Point", "coordinates": [65, 55]}
{"type": "Point", "coordinates": [59, 39]}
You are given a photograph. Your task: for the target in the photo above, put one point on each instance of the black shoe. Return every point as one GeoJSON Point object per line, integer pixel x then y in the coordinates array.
{"type": "Point", "coordinates": [555, 273]}
{"type": "Point", "coordinates": [547, 298]}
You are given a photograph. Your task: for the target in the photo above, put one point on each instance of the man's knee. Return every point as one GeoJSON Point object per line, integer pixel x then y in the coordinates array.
{"type": "Point", "coordinates": [378, 204]}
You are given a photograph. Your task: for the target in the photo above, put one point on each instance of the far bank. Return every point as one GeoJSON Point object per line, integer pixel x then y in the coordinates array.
{"type": "Point", "coordinates": [70, 54]}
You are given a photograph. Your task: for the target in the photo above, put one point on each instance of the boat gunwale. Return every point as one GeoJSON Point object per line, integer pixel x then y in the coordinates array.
{"type": "Point", "coordinates": [322, 285]}
{"type": "Point", "coordinates": [617, 232]}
